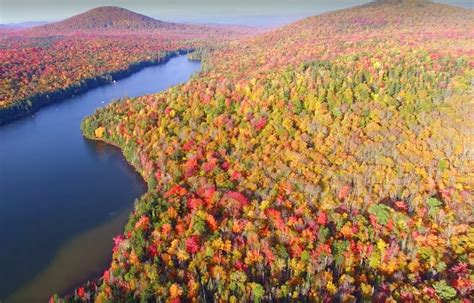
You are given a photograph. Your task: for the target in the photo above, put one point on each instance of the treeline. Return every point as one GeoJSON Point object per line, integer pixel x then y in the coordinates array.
{"type": "Point", "coordinates": [27, 106]}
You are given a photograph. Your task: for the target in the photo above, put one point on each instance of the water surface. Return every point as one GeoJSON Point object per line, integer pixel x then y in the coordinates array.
{"type": "Point", "coordinates": [63, 197]}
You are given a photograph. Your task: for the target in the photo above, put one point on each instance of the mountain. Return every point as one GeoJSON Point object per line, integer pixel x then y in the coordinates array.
{"type": "Point", "coordinates": [106, 18]}
{"type": "Point", "coordinates": [404, 22]}
{"type": "Point", "coordinates": [22, 25]}
{"type": "Point", "coordinates": [403, 2]}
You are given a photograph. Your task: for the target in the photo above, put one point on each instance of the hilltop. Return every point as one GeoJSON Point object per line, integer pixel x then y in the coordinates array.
{"type": "Point", "coordinates": [107, 18]}
{"type": "Point", "coordinates": [402, 2]}
{"type": "Point", "coordinates": [112, 20]}
{"type": "Point", "coordinates": [350, 30]}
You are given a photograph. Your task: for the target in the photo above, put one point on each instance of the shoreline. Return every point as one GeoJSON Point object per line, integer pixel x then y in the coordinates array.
{"type": "Point", "coordinates": [97, 279]}
{"type": "Point", "coordinates": [29, 106]}
{"type": "Point", "coordinates": [96, 275]}
{"type": "Point", "coordinates": [89, 135]}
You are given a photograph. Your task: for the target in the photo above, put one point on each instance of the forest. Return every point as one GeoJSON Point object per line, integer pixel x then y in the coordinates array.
{"type": "Point", "coordinates": [57, 60]}
{"type": "Point", "coordinates": [329, 160]}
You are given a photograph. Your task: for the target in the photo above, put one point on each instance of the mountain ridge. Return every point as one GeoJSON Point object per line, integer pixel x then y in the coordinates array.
{"type": "Point", "coordinates": [409, 2]}
{"type": "Point", "coordinates": [106, 18]}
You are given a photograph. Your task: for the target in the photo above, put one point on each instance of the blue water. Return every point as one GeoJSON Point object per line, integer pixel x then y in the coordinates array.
{"type": "Point", "coordinates": [56, 185]}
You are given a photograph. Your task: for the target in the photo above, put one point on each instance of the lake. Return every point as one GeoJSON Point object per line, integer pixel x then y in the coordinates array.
{"type": "Point", "coordinates": [63, 197]}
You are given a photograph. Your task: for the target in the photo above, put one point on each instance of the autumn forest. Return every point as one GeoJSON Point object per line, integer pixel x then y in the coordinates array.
{"type": "Point", "coordinates": [327, 160]}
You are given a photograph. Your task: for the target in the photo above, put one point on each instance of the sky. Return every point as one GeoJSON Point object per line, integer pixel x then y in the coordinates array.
{"type": "Point", "coordinates": [249, 12]}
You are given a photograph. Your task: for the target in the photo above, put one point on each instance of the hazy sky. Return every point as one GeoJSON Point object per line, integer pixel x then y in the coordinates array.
{"type": "Point", "coordinates": [253, 12]}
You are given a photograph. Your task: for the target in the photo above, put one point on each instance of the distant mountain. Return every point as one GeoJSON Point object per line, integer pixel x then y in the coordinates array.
{"type": "Point", "coordinates": [106, 18]}
{"type": "Point", "coordinates": [392, 14]}
{"type": "Point", "coordinates": [22, 25]}
{"type": "Point", "coordinates": [405, 2]}
{"type": "Point", "coordinates": [377, 20]}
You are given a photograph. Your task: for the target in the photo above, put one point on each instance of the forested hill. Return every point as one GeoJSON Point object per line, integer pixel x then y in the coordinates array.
{"type": "Point", "coordinates": [401, 2]}
{"type": "Point", "coordinates": [106, 17]}
{"type": "Point", "coordinates": [48, 62]}
{"type": "Point", "coordinates": [409, 24]}
{"type": "Point", "coordinates": [326, 161]}
{"type": "Point", "coordinates": [111, 19]}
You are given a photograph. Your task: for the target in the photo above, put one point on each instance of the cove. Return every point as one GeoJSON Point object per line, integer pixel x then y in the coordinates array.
{"type": "Point", "coordinates": [63, 197]}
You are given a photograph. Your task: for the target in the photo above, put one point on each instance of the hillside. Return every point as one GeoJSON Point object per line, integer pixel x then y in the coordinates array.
{"type": "Point", "coordinates": [326, 161]}
{"type": "Point", "coordinates": [106, 18]}
{"type": "Point", "coordinates": [117, 21]}
{"type": "Point", "coordinates": [52, 61]}
{"type": "Point", "coordinates": [403, 23]}
{"type": "Point", "coordinates": [111, 20]}
{"type": "Point", "coordinates": [401, 2]}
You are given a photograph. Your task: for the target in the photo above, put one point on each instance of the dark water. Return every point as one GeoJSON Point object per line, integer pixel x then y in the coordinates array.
{"type": "Point", "coordinates": [62, 197]}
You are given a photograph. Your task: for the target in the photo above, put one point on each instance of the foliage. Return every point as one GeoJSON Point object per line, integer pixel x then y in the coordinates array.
{"type": "Point", "coordinates": [63, 57]}
{"type": "Point", "coordinates": [304, 165]}
{"type": "Point", "coordinates": [444, 291]}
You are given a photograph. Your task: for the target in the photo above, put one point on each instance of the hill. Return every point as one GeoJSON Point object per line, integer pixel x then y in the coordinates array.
{"type": "Point", "coordinates": [326, 161]}
{"type": "Point", "coordinates": [48, 62]}
{"type": "Point", "coordinates": [401, 2]}
{"type": "Point", "coordinates": [414, 22]}
{"type": "Point", "coordinates": [107, 18]}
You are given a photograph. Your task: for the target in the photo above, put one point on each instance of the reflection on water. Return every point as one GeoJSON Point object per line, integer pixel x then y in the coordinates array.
{"type": "Point", "coordinates": [63, 275]}
{"type": "Point", "coordinates": [58, 190]}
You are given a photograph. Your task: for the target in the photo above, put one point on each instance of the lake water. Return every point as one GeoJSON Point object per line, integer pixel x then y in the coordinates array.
{"type": "Point", "coordinates": [63, 197]}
